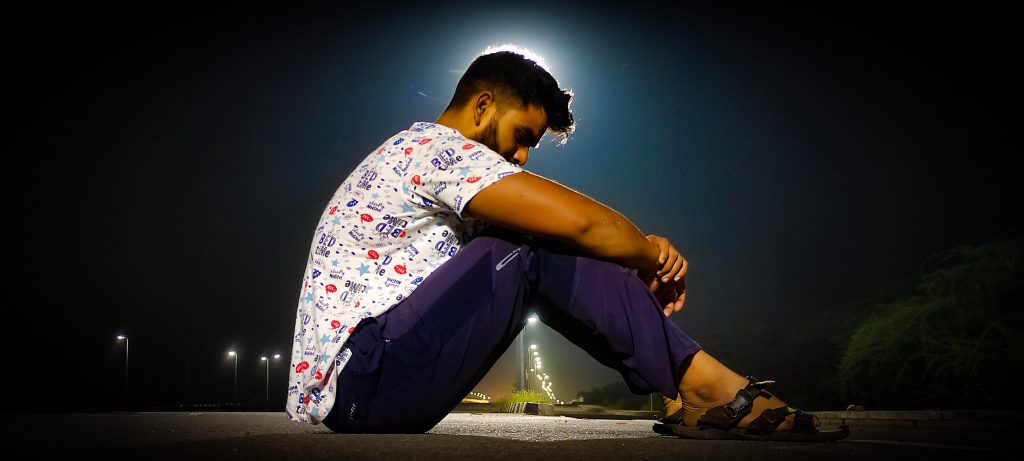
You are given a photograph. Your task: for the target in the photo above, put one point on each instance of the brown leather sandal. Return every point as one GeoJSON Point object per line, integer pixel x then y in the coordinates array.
{"type": "Point", "coordinates": [719, 423]}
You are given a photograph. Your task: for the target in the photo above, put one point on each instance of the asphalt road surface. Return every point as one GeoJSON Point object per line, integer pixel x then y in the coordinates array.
{"type": "Point", "coordinates": [460, 436]}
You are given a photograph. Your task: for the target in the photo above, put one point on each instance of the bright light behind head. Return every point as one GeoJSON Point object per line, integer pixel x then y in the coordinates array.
{"type": "Point", "coordinates": [520, 50]}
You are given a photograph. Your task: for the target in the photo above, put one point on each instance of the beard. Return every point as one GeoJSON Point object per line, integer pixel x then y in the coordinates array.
{"type": "Point", "coordinates": [489, 135]}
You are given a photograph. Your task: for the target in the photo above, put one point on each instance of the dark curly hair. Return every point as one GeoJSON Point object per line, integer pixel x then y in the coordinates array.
{"type": "Point", "coordinates": [510, 74]}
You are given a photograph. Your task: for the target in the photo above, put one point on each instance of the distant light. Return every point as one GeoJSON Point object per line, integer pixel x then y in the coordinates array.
{"type": "Point", "coordinates": [263, 358]}
{"type": "Point", "coordinates": [277, 356]}
{"type": "Point", "coordinates": [232, 353]}
{"type": "Point", "coordinates": [536, 353]}
{"type": "Point", "coordinates": [120, 337]}
{"type": "Point", "coordinates": [533, 346]}
{"type": "Point", "coordinates": [532, 320]}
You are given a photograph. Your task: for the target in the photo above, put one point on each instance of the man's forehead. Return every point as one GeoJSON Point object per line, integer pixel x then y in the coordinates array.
{"type": "Point", "coordinates": [535, 119]}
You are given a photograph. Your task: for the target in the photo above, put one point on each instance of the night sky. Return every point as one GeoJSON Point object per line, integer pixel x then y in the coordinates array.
{"type": "Point", "coordinates": [179, 159]}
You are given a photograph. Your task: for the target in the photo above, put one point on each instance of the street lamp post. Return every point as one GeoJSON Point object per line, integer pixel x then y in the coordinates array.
{"type": "Point", "coordinates": [264, 359]}
{"type": "Point", "coordinates": [125, 338]}
{"type": "Point", "coordinates": [536, 361]}
{"type": "Point", "coordinates": [235, 355]}
{"type": "Point", "coordinates": [524, 368]}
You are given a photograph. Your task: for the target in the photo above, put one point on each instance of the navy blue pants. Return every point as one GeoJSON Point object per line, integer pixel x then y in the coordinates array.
{"type": "Point", "coordinates": [413, 364]}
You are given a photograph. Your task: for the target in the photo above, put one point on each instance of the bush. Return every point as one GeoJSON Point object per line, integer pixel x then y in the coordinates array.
{"type": "Point", "coordinates": [953, 344]}
{"type": "Point", "coordinates": [525, 396]}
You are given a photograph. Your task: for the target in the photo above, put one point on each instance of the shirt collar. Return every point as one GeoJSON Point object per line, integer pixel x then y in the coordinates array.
{"type": "Point", "coordinates": [422, 126]}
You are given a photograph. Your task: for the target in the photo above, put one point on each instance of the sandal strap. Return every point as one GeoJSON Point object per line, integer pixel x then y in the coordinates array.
{"type": "Point", "coordinates": [804, 423]}
{"type": "Point", "coordinates": [675, 418]}
{"type": "Point", "coordinates": [727, 416]}
{"type": "Point", "coordinates": [769, 420]}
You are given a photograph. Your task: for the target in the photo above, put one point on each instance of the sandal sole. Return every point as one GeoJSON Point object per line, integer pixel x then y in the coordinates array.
{"type": "Point", "coordinates": [741, 434]}
{"type": "Point", "coordinates": [685, 432]}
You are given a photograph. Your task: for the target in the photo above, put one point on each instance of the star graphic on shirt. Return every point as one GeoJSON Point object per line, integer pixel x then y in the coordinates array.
{"type": "Point", "coordinates": [405, 188]}
{"type": "Point", "coordinates": [463, 171]}
{"type": "Point", "coordinates": [336, 220]}
{"type": "Point", "coordinates": [417, 164]}
{"type": "Point", "coordinates": [314, 412]}
{"type": "Point", "coordinates": [309, 296]}
{"type": "Point", "coordinates": [375, 195]}
{"type": "Point", "coordinates": [406, 207]}
{"type": "Point", "coordinates": [325, 339]}
{"type": "Point", "coordinates": [363, 269]}
{"type": "Point", "coordinates": [334, 263]}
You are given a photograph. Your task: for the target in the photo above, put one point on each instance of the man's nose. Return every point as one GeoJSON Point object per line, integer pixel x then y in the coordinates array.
{"type": "Point", "coordinates": [522, 155]}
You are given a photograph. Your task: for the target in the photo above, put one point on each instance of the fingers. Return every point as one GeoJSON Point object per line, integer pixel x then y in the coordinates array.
{"type": "Point", "coordinates": [675, 268]}
{"type": "Point", "coordinates": [673, 297]}
{"type": "Point", "coordinates": [663, 248]}
{"type": "Point", "coordinates": [678, 306]}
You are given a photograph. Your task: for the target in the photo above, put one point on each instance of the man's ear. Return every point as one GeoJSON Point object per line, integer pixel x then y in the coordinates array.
{"type": "Point", "coordinates": [484, 102]}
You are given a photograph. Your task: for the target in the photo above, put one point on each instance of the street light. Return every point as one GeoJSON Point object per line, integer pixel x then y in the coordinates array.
{"type": "Point", "coordinates": [523, 367]}
{"type": "Point", "coordinates": [125, 338]}
{"type": "Point", "coordinates": [264, 359]}
{"type": "Point", "coordinates": [235, 355]}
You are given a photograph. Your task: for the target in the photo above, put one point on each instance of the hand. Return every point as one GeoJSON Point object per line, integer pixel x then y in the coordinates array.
{"type": "Point", "coordinates": [673, 265]}
{"type": "Point", "coordinates": [668, 283]}
{"type": "Point", "coordinates": [670, 295]}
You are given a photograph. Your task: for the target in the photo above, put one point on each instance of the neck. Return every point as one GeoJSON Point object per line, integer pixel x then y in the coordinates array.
{"type": "Point", "coordinates": [457, 122]}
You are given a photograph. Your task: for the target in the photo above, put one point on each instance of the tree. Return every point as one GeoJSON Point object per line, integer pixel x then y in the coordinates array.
{"type": "Point", "coordinates": [952, 344]}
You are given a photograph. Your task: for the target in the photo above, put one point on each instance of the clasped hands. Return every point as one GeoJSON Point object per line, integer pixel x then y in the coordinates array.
{"type": "Point", "coordinates": [669, 283]}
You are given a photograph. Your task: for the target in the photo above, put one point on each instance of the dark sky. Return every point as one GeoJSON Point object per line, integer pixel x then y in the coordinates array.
{"type": "Point", "coordinates": [180, 157]}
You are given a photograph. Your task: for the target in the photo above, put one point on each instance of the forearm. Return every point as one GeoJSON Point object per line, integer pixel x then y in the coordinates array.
{"type": "Point", "coordinates": [613, 237]}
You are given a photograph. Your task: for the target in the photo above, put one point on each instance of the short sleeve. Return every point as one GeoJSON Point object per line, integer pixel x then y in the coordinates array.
{"type": "Point", "coordinates": [454, 171]}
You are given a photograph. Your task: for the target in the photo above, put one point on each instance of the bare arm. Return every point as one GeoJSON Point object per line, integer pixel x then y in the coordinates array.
{"type": "Point", "coordinates": [534, 205]}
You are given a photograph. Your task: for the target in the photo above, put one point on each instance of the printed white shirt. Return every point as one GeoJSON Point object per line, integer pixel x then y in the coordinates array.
{"type": "Point", "coordinates": [394, 220]}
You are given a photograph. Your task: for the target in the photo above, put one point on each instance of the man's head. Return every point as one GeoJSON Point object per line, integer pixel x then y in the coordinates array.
{"type": "Point", "coordinates": [506, 102]}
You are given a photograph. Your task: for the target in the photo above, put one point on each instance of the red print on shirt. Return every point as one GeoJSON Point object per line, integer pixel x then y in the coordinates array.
{"type": "Point", "coordinates": [416, 180]}
{"type": "Point", "coordinates": [302, 366]}
{"type": "Point", "coordinates": [425, 140]}
{"type": "Point", "coordinates": [331, 288]}
{"type": "Point", "coordinates": [373, 254]}
{"type": "Point", "coordinates": [333, 209]}
{"type": "Point", "coordinates": [400, 269]}
{"type": "Point", "coordinates": [335, 324]}
{"type": "Point", "coordinates": [408, 150]}
{"type": "Point", "coordinates": [365, 217]}
{"type": "Point", "coordinates": [472, 179]}
{"type": "Point", "coordinates": [467, 146]}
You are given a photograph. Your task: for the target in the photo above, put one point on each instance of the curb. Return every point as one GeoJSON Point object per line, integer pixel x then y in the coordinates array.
{"type": "Point", "coordinates": [998, 420]}
{"type": "Point", "coordinates": [528, 408]}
